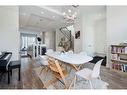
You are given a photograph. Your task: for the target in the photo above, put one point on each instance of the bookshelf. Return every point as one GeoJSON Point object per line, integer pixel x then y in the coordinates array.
{"type": "Point", "coordinates": [119, 57]}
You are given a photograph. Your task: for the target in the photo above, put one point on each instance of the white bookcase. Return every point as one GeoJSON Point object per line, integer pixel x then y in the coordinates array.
{"type": "Point", "coordinates": [36, 49]}
{"type": "Point", "coordinates": [119, 57]}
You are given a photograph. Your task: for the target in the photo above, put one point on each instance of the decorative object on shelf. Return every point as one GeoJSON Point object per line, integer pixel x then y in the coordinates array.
{"type": "Point", "coordinates": [77, 35]}
{"type": "Point", "coordinates": [39, 40]}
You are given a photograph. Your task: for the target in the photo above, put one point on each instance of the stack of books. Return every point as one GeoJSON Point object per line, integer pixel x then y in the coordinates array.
{"type": "Point", "coordinates": [121, 67]}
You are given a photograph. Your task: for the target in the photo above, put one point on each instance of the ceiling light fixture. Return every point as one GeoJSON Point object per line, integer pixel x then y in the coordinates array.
{"type": "Point", "coordinates": [70, 15]}
{"type": "Point", "coordinates": [53, 16]}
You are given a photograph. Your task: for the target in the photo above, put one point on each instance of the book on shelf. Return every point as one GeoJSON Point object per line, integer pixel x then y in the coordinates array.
{"type": "Point", "coordinates": [120, 67]}
{"type": "Point", "coordinates": [114, 49]}
{"type": "Point", "coordinates": [125, 68]}
{"type": "Point", "coordinates": [125, 50]}
{"type": "Point", "coordinates": [119, 49]}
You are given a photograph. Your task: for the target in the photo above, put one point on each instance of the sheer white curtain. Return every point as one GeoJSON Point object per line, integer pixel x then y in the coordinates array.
{"type": "Point", "coordinates": [27, 39]}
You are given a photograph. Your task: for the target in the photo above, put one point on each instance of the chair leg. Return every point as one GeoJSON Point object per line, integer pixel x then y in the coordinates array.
{"type": "Point", "coordinates": [8, 76]}
{"type": "Point", "coordinates": [41, 70]}
{"type": "Point", "coordinates": [91, 86]}
{"type": "Point", "coordinates": [75, 81]}
{"type": "Point", "coordinates": [11, 72]}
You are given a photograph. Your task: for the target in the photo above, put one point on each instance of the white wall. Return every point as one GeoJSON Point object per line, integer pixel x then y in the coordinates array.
{"type": "Point", "coordinates": [94, 33]}
{"type": "Point", "coordinates": [116, 27]}
{"type": "Point", "coordinates": [100, 36]}
{"type": "Point", "coordinates": [88, 34]}
{"type": "Point", "coordinates": [78, 42]}
{"type": "Point", "coordinates": [50, 39]}
{"type": "Point", "coordinates": [9, 35]}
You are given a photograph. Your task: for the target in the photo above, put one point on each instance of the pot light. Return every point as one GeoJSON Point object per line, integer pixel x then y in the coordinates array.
{"type": "Point", "coordinates": [64, 13]}
{"type": "Point", "coordinates": [42, 12]}
{"type": "Point", "coordinates": [69, 10]}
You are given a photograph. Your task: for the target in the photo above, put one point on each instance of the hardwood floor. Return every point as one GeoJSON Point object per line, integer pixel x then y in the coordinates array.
{"type": "Point", "coordinates": [29, 79]}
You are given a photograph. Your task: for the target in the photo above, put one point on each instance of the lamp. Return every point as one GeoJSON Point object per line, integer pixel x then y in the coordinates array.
{"type": "Point", "coordinates": [70, 15]}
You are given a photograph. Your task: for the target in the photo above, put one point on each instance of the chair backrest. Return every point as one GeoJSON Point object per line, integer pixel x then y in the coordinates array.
{"type": "Point", "coordinates": [52, 65]}
{"type": "Point", "coordinates": [96, 69]}
{"type": "Point", "coordinates": [57, 69]}
{"type": "Point", "coordinates": [69, 52]}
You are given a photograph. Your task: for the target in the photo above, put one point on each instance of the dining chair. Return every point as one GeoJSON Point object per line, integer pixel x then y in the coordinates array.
{"type": "Point", "coordinates": [89, 74]}
{"type": "Point", "coordinates": [44, 60]}
{"type": "Point", "coordinates": [58, 72]}
{"type": "Point", "coordinates": [70, 52]}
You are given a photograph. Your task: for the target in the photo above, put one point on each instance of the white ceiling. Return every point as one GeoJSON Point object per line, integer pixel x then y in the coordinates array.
{"type": "Point", "coordinates": [31, 18]}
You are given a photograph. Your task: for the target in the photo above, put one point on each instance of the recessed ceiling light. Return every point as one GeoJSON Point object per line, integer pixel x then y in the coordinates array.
{"type": "Point", "coordinates": [64, 13]}
{"type": "Point", "coordinates": [42, 12]}
{"type": "Point", "coordinates": [53, 16]}
{"type": "Point", "coordinates": [69, 10]}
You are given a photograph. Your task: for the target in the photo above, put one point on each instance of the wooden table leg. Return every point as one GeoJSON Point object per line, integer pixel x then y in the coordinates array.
{"type": "Point", "coordinates": [75, 67]}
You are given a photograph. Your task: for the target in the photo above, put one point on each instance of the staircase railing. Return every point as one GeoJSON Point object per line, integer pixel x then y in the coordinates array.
{"type": "Point", "coordinates": [68, 35]}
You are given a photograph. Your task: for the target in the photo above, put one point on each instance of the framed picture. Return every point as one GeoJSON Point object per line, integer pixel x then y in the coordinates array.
{"type": "Point", "coordinates": [77, 35]}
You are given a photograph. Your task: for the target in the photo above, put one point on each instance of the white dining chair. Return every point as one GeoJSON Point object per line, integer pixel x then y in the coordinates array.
{"type": "Point", "coordinates": [44, 60]}
{"type": "Point", "coordinates": [89, 74]}
{"type": "Point", "coordinates": [69, 52]}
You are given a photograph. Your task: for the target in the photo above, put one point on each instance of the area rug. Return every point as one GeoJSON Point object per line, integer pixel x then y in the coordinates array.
{"type": "Point", "coordinates": [81, 83]}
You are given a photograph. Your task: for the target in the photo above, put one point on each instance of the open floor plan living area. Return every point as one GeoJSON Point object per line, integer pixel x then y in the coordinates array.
{"type": "Point", "coordinates": [63, 47]}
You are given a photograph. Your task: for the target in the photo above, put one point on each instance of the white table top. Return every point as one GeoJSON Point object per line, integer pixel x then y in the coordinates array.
{"type": "Point", "coordinates": [70, 58]}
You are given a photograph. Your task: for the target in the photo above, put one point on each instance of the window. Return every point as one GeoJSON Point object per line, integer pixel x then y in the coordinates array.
{"type": "Point", "coordinates": [27, 40]}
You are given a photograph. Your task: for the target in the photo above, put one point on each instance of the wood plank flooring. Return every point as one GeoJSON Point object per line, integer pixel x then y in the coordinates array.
{"type": "Point", "coordinates": [29, 79]}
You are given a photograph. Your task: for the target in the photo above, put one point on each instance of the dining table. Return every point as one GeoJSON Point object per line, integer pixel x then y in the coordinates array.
{"type": "Point", "coordinates": [72, 59]}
